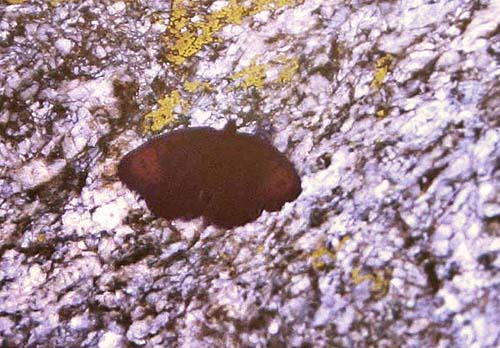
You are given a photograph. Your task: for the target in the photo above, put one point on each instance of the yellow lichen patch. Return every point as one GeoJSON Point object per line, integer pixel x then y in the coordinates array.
{"type": "Point", "coordinates": [381, 113]}
{"type": "Point", "coordinates": [55, 3]}
{"type": "Point", "coordinates": [271, 5]}
{"type": "Point", "coordinates": [290, 67]}
{"type": "Point", "coordinates": [15, 2]}
{"type": "Point", "coordinates": [164, 115]}
{"type": "Point", "coordinates": [342, 242]}
{"type": "Point", "coordinates": [253, 75]}
{"type": "Point", "coordinates": [193, 86]}
{"type": "Point", "coordinates": [358, 278]}
{"type": "Point", "coordinates": [380, 281]}
{"type": "Point", "coordinates": [189, 30]}
{"type": "Point", "coordinates": [322, 256]}
{"type": "Point", "coordinates": [260, 249]}
{"type": "Point", "coordinates": [231, 14]}
{"type": "Point", "coordinates": [383, 68]}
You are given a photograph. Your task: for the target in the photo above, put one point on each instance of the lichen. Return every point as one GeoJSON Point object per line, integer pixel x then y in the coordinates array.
{"type": "Point", "coordinates": [383, 67]}
{"type": "Point", "coordinates": [253, 75]}
{"type": "Point", "coordinates": [290, 67]}
{"type": "Point", "coordinates": [381, 113]}
{"type": "Point", "coordinates": [192, 26]}
{"type": "Point", "coordinates": [193, 86]}
{"type": "Point", "coordinates": [164, 115]}
{"type": "Point", "coordinates": [380, 281]}
{"type": "Point", "coordinates": [322, 256]}
{"type": "Point", "coordinates": [189, 30]}
{"type": "Point", "coordinates": [55, 3]}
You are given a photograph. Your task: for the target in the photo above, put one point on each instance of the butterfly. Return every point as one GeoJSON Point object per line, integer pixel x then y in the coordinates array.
{"type": "Point", "coordinates": [224, 176]}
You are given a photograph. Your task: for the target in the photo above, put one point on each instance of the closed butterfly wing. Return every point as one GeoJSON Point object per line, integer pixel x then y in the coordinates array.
{"type": "Point", "coordinates": [225, 176]}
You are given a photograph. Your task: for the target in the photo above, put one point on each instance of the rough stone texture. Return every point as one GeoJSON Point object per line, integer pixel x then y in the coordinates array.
{"type": "Point", "coordinates": [391, 113]}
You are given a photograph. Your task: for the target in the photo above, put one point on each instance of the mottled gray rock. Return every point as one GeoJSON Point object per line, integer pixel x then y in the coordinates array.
{"type": "Point", "coordinates": [389, 110]}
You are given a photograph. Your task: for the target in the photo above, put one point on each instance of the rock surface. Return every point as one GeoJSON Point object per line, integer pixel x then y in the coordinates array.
{"type": "Point", "coordinates": [389, 110]}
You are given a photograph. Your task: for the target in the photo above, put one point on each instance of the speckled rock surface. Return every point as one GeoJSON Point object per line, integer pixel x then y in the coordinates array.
{"type": "Point", "coordinates": [389, 110]}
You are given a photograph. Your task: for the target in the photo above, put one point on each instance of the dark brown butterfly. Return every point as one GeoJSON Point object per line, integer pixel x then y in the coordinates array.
{"type": "Point", "coordinates": [227, 177]}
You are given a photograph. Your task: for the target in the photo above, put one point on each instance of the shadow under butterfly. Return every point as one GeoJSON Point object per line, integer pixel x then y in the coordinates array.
{"type": "Point", "coordinates": [225, 176]}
